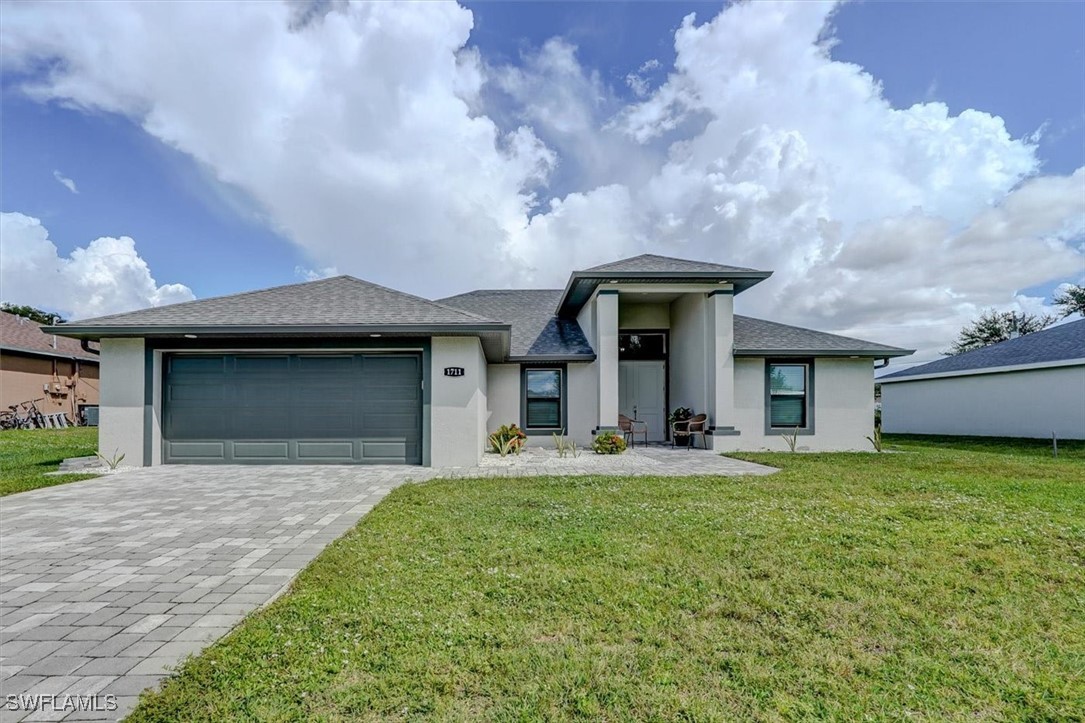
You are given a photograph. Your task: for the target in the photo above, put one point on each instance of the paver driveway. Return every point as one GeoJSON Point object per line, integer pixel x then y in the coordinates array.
{"type": "Point", "coordinates": [106, 584]}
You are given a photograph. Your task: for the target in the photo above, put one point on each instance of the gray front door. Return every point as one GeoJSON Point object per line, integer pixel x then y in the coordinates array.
{"type": "Point", "coordinates": [642, 394]}
{"type": "Point", "coordinates": [292, 408]}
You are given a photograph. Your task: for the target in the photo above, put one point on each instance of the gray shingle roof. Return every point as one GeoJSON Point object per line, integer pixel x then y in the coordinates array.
{"type": "Point", "coordinates": [341, 300]}
{"type": "Point", "coordinates": [536, 332]}
{"type": "Point", "coordinates": [651, 263]}
{"type": "Point", "coordinates": [1058, 343]}
{"type": "Point", "coordinates": [756, 337]}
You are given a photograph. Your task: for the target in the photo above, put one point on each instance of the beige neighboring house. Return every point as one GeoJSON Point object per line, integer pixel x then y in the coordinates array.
{"type": "Point", "coordinates": [54, 371]}
{"type": "Point", "coordinates": [341, 370]}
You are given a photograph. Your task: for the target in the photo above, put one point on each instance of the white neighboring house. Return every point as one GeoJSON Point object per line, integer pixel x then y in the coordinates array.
{"type": "Point", "coordinates": [344, 371]}
{"type": "Point", "coordinates": [1031, 386]}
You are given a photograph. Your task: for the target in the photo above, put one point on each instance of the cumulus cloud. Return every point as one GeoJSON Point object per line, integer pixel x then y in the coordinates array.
{"type": "Point", "coordinates": [105, 277]}
{"type": "Point", "coordinates": [315, 274]}
{"type": "Point", "coordinates": [383, 144]}
{"type": "Point", "coordinates": [65, 181]}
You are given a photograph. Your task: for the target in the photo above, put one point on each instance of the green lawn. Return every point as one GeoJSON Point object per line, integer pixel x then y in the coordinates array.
{"type": "Point", "coordinates": [938, 583]}
{"type": "Point", "coordinates": [27, 454]}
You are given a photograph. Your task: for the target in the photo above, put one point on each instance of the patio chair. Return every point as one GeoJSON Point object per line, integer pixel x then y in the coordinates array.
{"type": "Point", "coordinates": [689, 428]}
{"type": "Point", "coordinates": [631, 428]}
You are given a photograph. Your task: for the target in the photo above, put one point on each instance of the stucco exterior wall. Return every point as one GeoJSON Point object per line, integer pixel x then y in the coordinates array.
{"type": "Point", "coordinates": [121, 414]}
{"type": "Point", "coordinates": [502, 396]}
{"type": "Point", "coordinates": [843, 407]}
{"type": "Point", "coordinates": [643, 316]}
{"type": "Point", "coordinates": [687, 353]}
{"type": "Point", "coordinates": [23, 378]}
{"type": "Point", "coordinates": [458, 405]}
{"type": "Point", "coordinates": [583, 396]}
{"type": "Point", "coordinates": [1028, 403]}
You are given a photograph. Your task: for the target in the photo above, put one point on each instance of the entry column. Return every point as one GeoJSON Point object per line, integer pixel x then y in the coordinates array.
{"type": "Point", "coordinates": [606, 356]}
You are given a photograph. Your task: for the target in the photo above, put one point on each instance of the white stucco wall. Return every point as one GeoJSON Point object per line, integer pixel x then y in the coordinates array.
{"type": "Point", "coordinates": [687, 353]}
{"type": "Point", "coordinates": [843, 407]}
{"type": "Point", "coordinates": [1029, 403]}
{"type": "Point", "coordinates": [120, 425]}
{"type": "Point", "coordinates": [458, 405]}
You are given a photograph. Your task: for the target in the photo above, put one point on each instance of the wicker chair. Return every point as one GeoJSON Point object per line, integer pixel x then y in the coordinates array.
{"type": "Point", "coordinates": [631, 428]}
{"type": "Point", "coordinates": [690, 427]}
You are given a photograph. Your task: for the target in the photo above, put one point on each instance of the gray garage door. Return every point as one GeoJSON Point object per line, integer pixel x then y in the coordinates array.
{"type": "Point", "coordinates": [292, 408]}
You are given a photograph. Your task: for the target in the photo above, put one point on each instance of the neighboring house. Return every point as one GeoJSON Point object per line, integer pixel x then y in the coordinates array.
{"type": "Point", "coordinates": [53, 371]}
{"type": "Point", "coordinates": [1031, 386]}
{"type": "Point", "coordinates": [342, 370]}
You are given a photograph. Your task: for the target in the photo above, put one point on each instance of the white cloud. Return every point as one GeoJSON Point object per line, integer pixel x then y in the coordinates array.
{"type": "Point", "coordinates": [315, 274]}
{"type": "Point", "coordinates": [105, 277]}
{"type": "Point", "coordinates": [65, 181]}
{"type": "Point", "coordinates": [384, 146]}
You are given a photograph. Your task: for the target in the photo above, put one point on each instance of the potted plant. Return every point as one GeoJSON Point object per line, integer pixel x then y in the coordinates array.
{"type": "Point", "coordinates": [680, 414]}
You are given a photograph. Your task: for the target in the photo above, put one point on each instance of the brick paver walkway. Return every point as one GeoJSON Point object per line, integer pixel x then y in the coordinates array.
{"type": "Point", "coordinates": [107, 584]}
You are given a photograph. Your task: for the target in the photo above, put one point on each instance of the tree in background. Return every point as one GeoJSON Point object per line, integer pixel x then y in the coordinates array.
{"type": "Point", "coordinates": [29, 312]}
{"type": "Point", "coordinates": [994, 326]}
{"type": "Point", "coordinates": [1071, 300]}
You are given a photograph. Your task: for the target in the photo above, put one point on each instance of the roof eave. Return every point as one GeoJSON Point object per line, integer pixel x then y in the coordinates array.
{"type": "Point", "coordinates": [56, 354]}
{"type": "Point", "coordinates": [867, 353]}
{"type": "Point", "coordinates": [568, 308]}
{"type": "Point", "coordinates": [528, 358]}
{"type": "Point", "coordinates": [96, 332]}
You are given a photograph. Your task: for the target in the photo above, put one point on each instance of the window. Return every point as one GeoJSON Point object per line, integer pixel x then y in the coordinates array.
{"type": "Point", "coordinates": [543, 392]}
{"type": "Point", "coordinates": [787, 392]}
{"type": "Point", "coordinates": [642, 345]}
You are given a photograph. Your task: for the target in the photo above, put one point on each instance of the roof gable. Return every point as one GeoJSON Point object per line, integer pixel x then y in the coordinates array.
{"type": "Point", "coordinates": [653, 263]}
{"type": "Point", "coordinates": [1064, 342]}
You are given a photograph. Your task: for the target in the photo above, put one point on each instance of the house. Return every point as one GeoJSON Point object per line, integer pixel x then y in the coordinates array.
{"type": "Point", "coordinates": [1031, 386]}
{"type": "Point", "coordinates": [343, 370]}
{"type": "Point", "coordinates": [55, 372]}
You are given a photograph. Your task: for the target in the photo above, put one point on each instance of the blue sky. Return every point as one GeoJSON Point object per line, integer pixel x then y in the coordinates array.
{"type": "Point", "coordinates": [1022, 62]}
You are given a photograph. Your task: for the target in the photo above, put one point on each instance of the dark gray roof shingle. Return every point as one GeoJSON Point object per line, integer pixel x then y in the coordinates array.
{"type": "Point", "coordinates": [1058, 343]}
{"type": "Point", "coordinates": [757, 336]}
{"type": "Point", "coordinates": [536, 331]}
{"type": "Point", "coordinates": [341, 300]}
{"type": "Point", "coordinates": [652, 264]}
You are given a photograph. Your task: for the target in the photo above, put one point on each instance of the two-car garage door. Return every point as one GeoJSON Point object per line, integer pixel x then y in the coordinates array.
{"type": "Point", "coordinates": [292, 408]}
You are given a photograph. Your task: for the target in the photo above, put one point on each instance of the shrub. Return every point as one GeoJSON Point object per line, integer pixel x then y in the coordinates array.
{"type": "Point", "coordinates": [509, 438]}
{"type": "Point", "coordinates": [608, 443]}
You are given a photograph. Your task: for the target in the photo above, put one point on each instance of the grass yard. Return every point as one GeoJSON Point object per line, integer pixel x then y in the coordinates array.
{"type": "Point", "coordinates": [27, 454]}
{"type": "Point", "coordinates": [943, 582]}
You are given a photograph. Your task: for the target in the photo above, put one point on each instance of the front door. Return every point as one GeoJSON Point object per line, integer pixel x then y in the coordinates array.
{"type": "Point", "coordinates": [642, 394]}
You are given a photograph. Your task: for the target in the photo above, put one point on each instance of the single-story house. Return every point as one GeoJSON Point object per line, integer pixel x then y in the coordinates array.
{"type": "Point", "coordinates": [58, 374]}
{"type": "Point", "coordinates": [343, 370]}
{"type": "Point", "coordinates": [1031, 386]}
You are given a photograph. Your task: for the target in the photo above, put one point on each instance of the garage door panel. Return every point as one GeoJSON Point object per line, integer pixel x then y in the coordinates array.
{"type": "Point", "coordinates": [343, 451]}
{"type": "Point", "coordinates": [262, 364]}
{"type": "Point", "coordinates": [259, 424]}
{"type": "Point", "coordinates": [197, 365]}
{"type": "Point", "coordinates": [196, 392]}
{"type": "Point", "coordinates": [195, 423]}
{"type": "Point", "coordinates": [205, 452]}
{"type": "Point", "coordinates": [261, 451]}
{"type": "Point", "coordinates": [293, 408]}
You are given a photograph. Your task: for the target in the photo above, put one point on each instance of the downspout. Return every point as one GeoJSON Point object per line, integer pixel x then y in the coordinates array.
{"type": "Point", "coordinates": [84, 344]}
{"type": "Point", "coordinates": [883, 365]}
